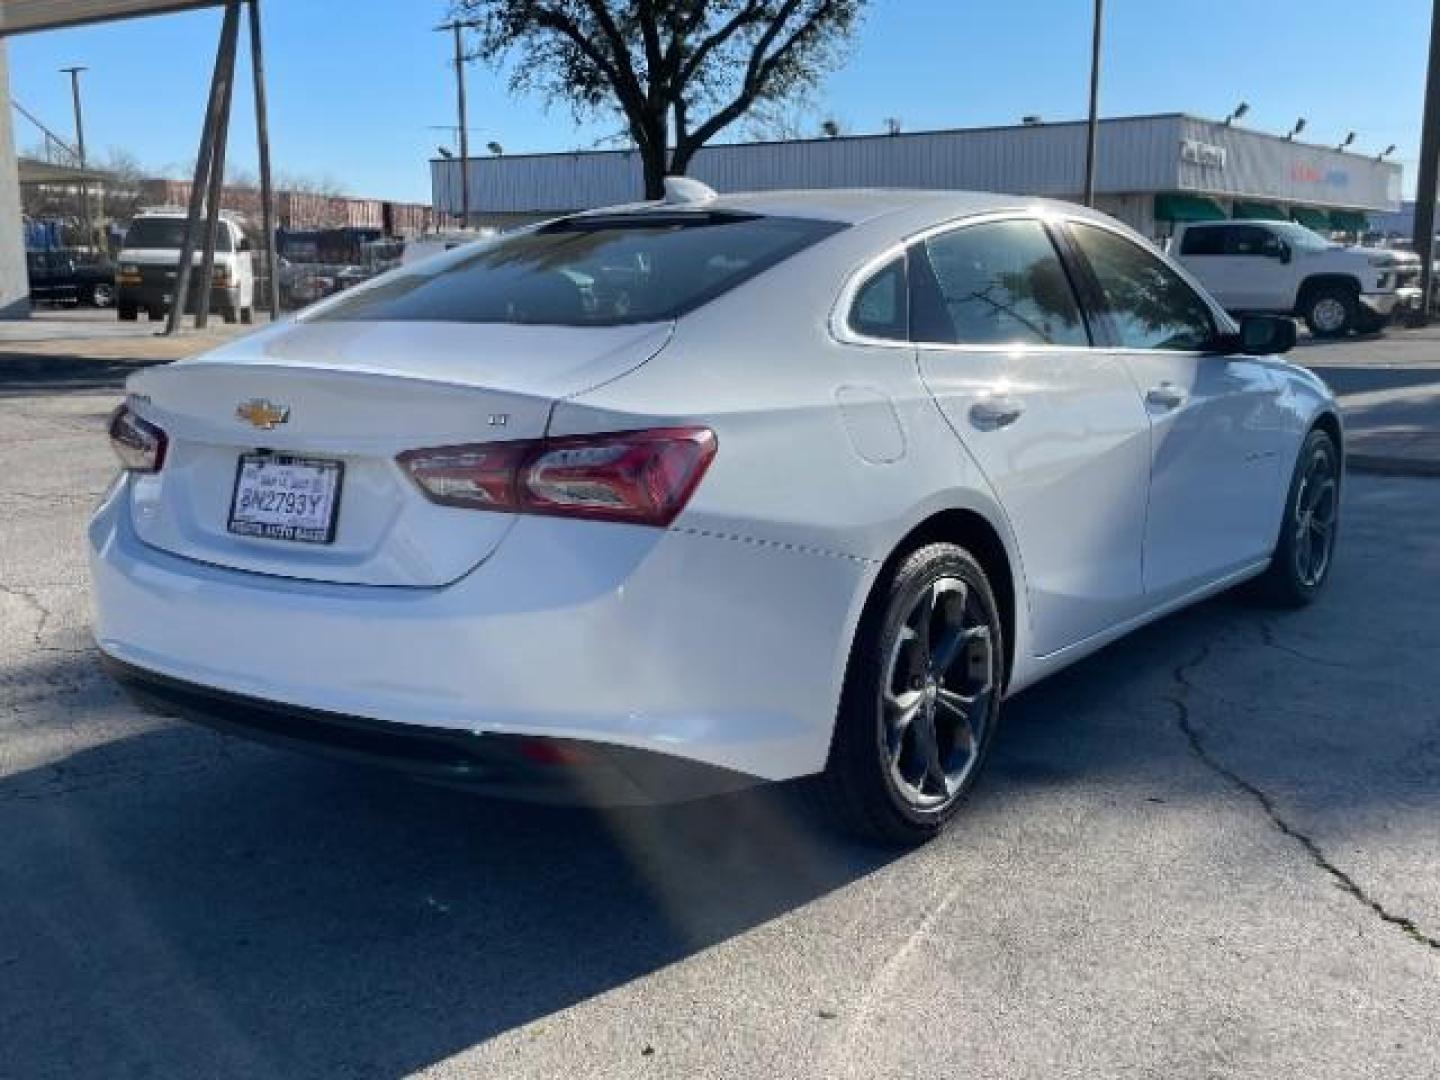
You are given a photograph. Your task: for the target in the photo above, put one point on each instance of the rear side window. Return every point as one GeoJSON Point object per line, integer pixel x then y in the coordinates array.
{"type": "Point", "coordinates": [1149, 304]}
{"type": "Point", "coordinates": [604, 270]}
{"type": "Point", "coordinates": [882, 306]}
{"type": "Point", "coordinates": [997, 283]}
{"type": "Point", "coordinates": [1207, 241]}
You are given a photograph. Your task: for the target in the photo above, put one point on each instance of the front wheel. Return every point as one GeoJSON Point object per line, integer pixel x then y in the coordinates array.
{"type": "Point", "coordinates": [1331, 311]}
{"type": "Point", "coordinates": [1301, 564]}
{"type": "Point", "coordinates": [102, 295]}
{"type": "Point", "coordinates": [921, 699]}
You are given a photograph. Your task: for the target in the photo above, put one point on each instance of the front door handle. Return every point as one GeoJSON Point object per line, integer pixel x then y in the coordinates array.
{"type": "Point", "coordinates": [995, 412]}
{"type": "Point", "coordinates": [1166, 396]}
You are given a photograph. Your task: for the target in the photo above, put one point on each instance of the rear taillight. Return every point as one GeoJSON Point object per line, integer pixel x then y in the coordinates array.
{"type": "Point", "coordinates": [139, 444]}
{"type": "Point", "coordinates": [644, 477]}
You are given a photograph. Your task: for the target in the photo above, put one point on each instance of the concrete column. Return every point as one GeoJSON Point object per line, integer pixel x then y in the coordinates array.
{"type": "Point", "coordinates": [14, 285]}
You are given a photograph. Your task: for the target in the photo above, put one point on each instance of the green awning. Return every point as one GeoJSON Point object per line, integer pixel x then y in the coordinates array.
{"type": "Point", "coordinates": [1311, 219]}
{"type": "Point", "coordinates": [1352, 221]}
{"type": "Point", "coordinates": [1257, 211]}
{"type": "Point", "coordinates": [1171, 207]}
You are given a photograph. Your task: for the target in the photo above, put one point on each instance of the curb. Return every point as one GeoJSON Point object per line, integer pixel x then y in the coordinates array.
{"type": "Point", "coordinates": [1384, 465]}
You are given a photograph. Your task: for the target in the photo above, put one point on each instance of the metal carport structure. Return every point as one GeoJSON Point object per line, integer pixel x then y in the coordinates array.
{"type": "Point", "coordinates": [25, 16]}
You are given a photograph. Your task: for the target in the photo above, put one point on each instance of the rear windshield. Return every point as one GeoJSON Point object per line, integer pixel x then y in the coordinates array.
{"type": "Point", "coordinates": [589, 271]}
{"type": "Point", "coordinates": [168, 233]}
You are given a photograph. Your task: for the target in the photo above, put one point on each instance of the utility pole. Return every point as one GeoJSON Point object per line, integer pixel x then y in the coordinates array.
{"type": "Point", "coordinates": [74, 73]}
{"type": "Point", "coordinates": [262, 136]}
{"type": "Point", "coordinates": [457, 28]}
{"type": "Point", "coordinates": [1429, 173]}
{"type": "Point", "coordinates": [1093, 129]}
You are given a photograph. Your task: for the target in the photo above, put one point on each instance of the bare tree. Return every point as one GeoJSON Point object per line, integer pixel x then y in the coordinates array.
{"type": "Point", "coordinates": [123, 192]}
{"type": "Point", "coordinates": [678, 71]}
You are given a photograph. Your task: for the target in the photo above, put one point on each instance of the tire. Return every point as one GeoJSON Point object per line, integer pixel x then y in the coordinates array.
{"type": "Point", "coordinates": [102, 295]}
{"type": "Point", "coordinates": [880, 781]}
{"type": "Point", "coordinates": [155, 314]}
{"type": "Point", "coordinates": [230, 315]}
{"type": "Point", "coordinates": [1331, 311]}
{"type": "Point", "coordinates": [127, 312]}
{"type": "Point", "coordinates": [247, 315]}
{"type": "Point", "coordinates": [1305, 553]}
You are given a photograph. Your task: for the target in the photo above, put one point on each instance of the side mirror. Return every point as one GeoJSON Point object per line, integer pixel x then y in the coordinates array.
{"type": "Point", "coordinates": [1264, 335]}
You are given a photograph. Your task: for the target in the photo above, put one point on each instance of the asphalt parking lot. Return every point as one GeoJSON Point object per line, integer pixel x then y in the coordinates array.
{"type": "Point", "coordinates": [1211, 850]}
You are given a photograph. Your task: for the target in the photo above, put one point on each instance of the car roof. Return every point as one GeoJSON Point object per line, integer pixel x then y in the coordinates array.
{"type": "Point", "coordinates": [882, 214]}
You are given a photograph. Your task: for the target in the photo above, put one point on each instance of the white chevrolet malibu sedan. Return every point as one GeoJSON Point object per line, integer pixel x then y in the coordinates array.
{"type": "Point", "coordinates": [655, 502]}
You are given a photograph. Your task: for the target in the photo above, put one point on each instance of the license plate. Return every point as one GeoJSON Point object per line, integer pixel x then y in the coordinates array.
{"type": "Point", "coordinates": [278, 497]}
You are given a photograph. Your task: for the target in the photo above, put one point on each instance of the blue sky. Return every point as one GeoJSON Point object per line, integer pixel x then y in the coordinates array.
{"type": "Point", "coordinates": [356, 84]}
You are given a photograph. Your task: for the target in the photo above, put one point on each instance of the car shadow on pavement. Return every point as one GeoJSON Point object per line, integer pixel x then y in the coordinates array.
{"type": "Point", "coordinates": [198, 905]}
{"type": "Point", "coordinates": [1345, 380]}
{"type": "Point", "coordinates": [34, 375]}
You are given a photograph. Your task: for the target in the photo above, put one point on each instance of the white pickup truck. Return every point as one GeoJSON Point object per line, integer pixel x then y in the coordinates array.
{"type": "Point", "coordinates": [1279, 267]}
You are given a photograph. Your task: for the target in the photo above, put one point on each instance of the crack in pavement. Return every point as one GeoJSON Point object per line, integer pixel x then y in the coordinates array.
{"type": "Point", "coordinates": [42, 622]}
{"type": "Point", "coordinates": [1341, 879]}
{"type": "Point", "coordinates": [31, 601]}
{"type": "Point", "coordinates": [1268, 636]}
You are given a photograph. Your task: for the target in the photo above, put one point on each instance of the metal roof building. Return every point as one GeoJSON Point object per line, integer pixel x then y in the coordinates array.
{"type": "Point", "coordinates": [1151, 172]}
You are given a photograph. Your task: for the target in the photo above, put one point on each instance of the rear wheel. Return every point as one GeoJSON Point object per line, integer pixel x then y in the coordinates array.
{"type": "Point", "coordinates": [229, 314]}
{"type": "Point", "coordinates": [127, 312]}
{"type": "Point", "coordinates": [156, 314]}
{"type": "Point", "coordinates": [1331, 310]}
{"type": "Point", "coordinates": [1300, 566]}
{"type": "Point", "coordinates": [102, 294]}
{"type": "Point", "coordinates": [247, 315]}
{"type": "Point", "coordinates": [921, 699]}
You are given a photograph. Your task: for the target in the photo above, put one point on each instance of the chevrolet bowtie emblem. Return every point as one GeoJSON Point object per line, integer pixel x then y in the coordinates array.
{"type": "Point", "coordinates": [262, 414]}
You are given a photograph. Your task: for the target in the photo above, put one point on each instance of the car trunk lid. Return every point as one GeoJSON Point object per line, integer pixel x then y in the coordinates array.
{"type": "Point", "coordinates": [356, 395]}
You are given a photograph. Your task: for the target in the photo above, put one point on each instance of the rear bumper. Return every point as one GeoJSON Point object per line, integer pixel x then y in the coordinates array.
{"type": "Point", "coordinates": [699, 647]}
{"type": "Point", "coordinates": [514, 766]}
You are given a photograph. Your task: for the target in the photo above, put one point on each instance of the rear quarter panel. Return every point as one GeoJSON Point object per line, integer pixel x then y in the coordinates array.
{"type": "Point", "coordinates": [824, 446]}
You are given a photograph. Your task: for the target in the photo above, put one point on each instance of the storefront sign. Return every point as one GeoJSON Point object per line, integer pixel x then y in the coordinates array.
{"type": "Point", "coordinates": [1303, 173]}
{"type": "Point", "coordinates": [1200, 153]}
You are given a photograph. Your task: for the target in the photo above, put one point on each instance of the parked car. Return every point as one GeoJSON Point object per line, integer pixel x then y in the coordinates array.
{"type": "Point", "coordinates": [1407, 245]}
{"type": "Point", "coordinates": [70, 277]}
{"type": "Point", "coordinates": [806, 491]}
{"type": "Point", "coordinates": [1286, 269]}
{"type": "Point", "coordinates": [149, 264]}
{"type": "Point", "coordinates": [432, 244]}
{"type": "Point", "coordinates": [306, 286]}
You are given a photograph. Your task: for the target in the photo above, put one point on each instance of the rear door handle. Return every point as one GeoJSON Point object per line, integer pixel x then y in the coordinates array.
{"type": "Point", "coordinates": [995, 412]}
{"type": "Point", "coordinates": [1166, 396]}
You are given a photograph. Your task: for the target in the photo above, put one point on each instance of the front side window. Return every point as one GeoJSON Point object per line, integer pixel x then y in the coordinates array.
{"type": "Point", "coordinates": [603, 270]}
{"type": "Point", "coordinates": [996, 283]}
{"type": "Point", "coordinates": [1254, 240]}
{"type": "Point", "coordinates": [882, 305]}
{"type": "Point", "coordinates": [1149, 304]}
